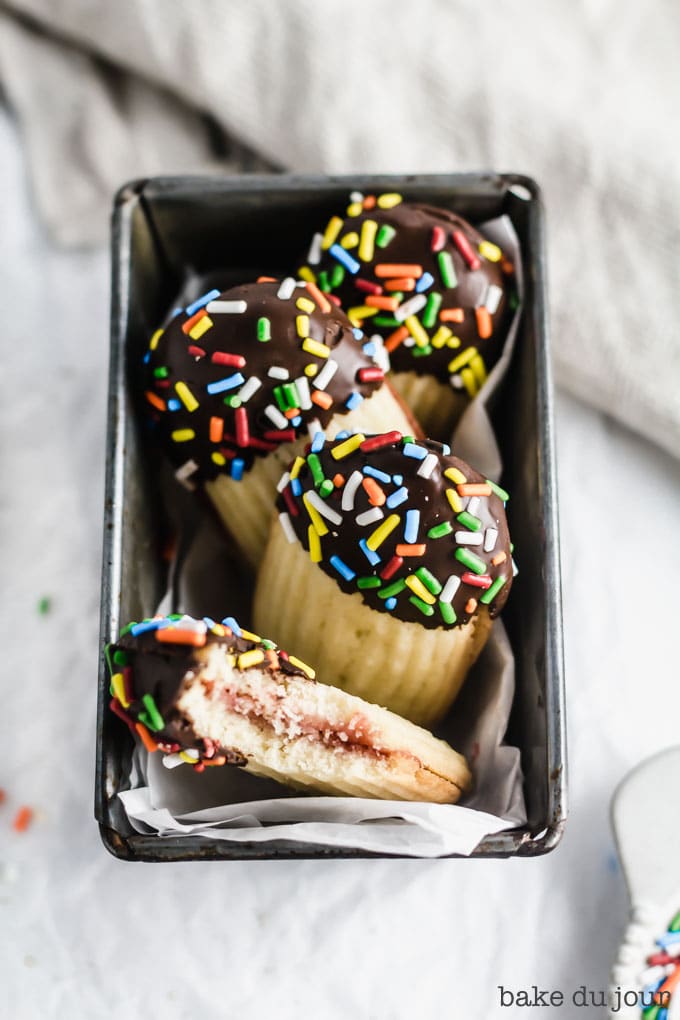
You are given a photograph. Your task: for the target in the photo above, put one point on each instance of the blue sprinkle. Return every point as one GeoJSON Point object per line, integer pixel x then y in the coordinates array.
{"type": "Point", "coordinates": [342, 568]}
{"type": "Point", "coordinates": [648, 991]}
{"type": "Point", "coordinates": [425, 281]}
{"type": "Point", "coordinates": [344, 258]}
{"type": "Point", "coordinates": [149, 625]}
{"type": "Point", "coordinates": [411, 527]}
{"type": "Point", "coordinates": [237, 466]}
{"type": "Point", "coordinates": [174, 404]}
{"type": "Point", "coordinates": [175, 312]}
{"type": "Point", "coordinates": [397, 498]}
{"type": "Point", "coordinates": [398, 479]}
{"type": "Point", "coordinates": [380, 476]}
{"type": "Point", "coordinates": [358, 333]}
{"type": "Point", "coordinates": [230, 622]}
{"type": "Point", "coordinates": [208, 622]}
{"type": "Point", "coordinates": [228, 383]}
{"type": "Point", "coordinates": [147, 358]}
{"type": "Point", "coordinates": [369, 349]}
{"type": "Point", "coordinates": [343, 435]}
{"type": "Point", "coordinates": [297, 420]}
{"type": "Point", "coordinates": [412, 450]}
{"type": "Point", "coordinates": [390, 604]}
{"type": "Point", "coordinates": [296, 486]}
{"type": "Point", "coordinates": [371, 556]}
{"type": "Point", "coordinates": [318, 442]}
{"type": "Point", "coordinates": [200, 302]}
{"type": "Point", "coordinates": [446, 449]}
{"type": "Point", "coordinates": [353, 400]}
{"type": "Point", "coordinates": [670, 939]}
{"type": "Point", "coordinates": [662, 1014]}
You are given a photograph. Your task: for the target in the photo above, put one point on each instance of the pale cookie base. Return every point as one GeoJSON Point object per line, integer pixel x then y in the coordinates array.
{"type": "Point", "coordinates": [246, 507]}
{"type": "Point", "coordinates": [311, 736]}
{"type": "Point", "coordinates": [436, 405]}
{"type": "Point", "coordinates": [412, 670]}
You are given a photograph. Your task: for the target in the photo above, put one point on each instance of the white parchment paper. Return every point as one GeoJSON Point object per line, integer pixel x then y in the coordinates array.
{"type": "Point", "coordinates": [228, 804]}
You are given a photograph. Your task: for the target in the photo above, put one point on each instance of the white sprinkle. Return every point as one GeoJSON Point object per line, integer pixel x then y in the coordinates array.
{"type": "Point", "coordinates": [356, 196]}
{"type": "Point", "coordinates": [493, 298]}
{"type": "Point", "coordinates": [277, 372]}
{"type": "Point", "coordinates": [450, 588]}
{"type": "Point", "coordinates": [249, 387]}
{"type": "Point", "coordinates": [410, 307]}
{"type": "Point", "coordinates": [490, 536]}
{"type": "Point", "coordinates": [427, 466]}
{"type": "Point", "coordinates": [515, 572]}
{"type": "Point", "coordinates": [286, 289]}
{"type": "Point", "coordinates": [473, 505]}
{"type": "Point", "coordinates": [370, 516]}
{"type": "Point", "coordinates": [324, 509]}
{"type": "Point", "coordinates": [302, 385]}
{"type": "Point", "coordinates": [288, 529]}
{"type": "Point", "coordinates": [408, 341]}
{"type": "Point", "coordinates": [468, 537]}
{"type": "Point", "coordinates": [313, 427]}
{"type": "Point", "coordinates": [283, 481]}
{"type": "Point", "coordinates": [350, 490]}
{"type": "Point", "coordinates": [322, 380]}
{"type": "Point", "coordinates": [182, 474]}
{"type": "Point", "coordinates": [171, 761]}
{"type": "Point", "coordinates": [314, 256]}
{"type": "Point", "coordinates": [192, 753]}
{"type": "Point", "coordinates": [228, 307]}
{"type": "Point", "coordinates": [276, 417]}
{"type": "Point", "coordinates": [457, 382]}
{"type": "Point", "coordinates": [382, 355]}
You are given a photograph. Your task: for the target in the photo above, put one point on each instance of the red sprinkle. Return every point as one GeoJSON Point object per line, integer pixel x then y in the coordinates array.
{"type": "Point", "coordinates": [463, 245]}
{"type": "Point", "coordinates": [221, 358]}
{"type": "Point", "coordinates": [22, 819]}
{"type": "Point", "coordinates": [370, 374]}
{"type": "Point", "coordinates": [438, 238]}
{"type": "Point", "coordinates": [242, 429]}
{"type": "Point", "coordinates": [261, 444]}
{"type": "Point", "coordinates": [227, 452]}
{"type": "Point", "coordinates": [476, 580]}
{"type": "Point", "coordinates": [196, 352]}
{"type": "Point", "coordinates": [660, 959]}
{"type": "Point", "coordinates": [290, 502]}
{"type": "Point", "coordinates": [127, 684]}
{"type": "Point", "coordinates": [391, 568]}
{"type": "Point", "coordinates": [367, 286]}
{"type": "Point", "coordinates": [200, 766]}
{"type": "Point", "coordinates": [334, 298]}
{"type": "Point", "coordinates": [279, 435]}
{"type": "Point", "coordinates": [376, 442]}
{"type": "Point", "coordinates": [118, 710]}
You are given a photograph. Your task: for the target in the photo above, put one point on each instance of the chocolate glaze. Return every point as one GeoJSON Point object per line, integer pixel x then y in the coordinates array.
{"type": "Point", "coordinates": [413, 224]}
{"type": "Point", "coordinates": [427, 495]}
{"type": "Point", "coordinates": [174, 357]}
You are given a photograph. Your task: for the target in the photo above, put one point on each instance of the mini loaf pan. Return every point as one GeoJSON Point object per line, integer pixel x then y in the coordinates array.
{"type": "Point", "coordinates": [167, 230]}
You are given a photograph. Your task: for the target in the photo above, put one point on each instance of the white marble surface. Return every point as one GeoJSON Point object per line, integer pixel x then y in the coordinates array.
{"type": "Point", "coordinates": [88, 937]}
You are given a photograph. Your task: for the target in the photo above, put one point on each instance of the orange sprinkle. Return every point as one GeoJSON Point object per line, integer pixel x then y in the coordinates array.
{"type": "Point", "coordinates": [396, 338]}
{"type": "Point", "coordinates": [401, 283]}
{"type": "Point", "coordinates": [369, 202]}
{"type": "Point", "coordinates": [498, 559]}
{"type": "Point", "coordinates": [177, 636]}
{"type": "Point", "coordinates": [190, 323]}
{"type": "Point", "coordinates": [156, 401]}
{"type": "Point", "coordinates": [272, 658]}
{"type": "Point", "coordinates": [507, 266]}
{"type": "Point", "coordinates": [322, 399]}
{"type": "Point", "coordinates": [22, 819]}
{"type": "Point", "coordinates": [410, 550]}
{"type": "Point", "coordinates": [219, 759]}
{"type": "Point", "coordinates": [378, 301]}
{"type": "Point", "coordinates": [376, 496]}
{"type": "Point", "coordinates": [291, 413]}
{"type": "Point", "coordinates": [472, 489]}
{"type": "Point", "coordinates": [216, 430]}
{"type": "Point", "coordinates": [384, 269]}
{"type": "Point", "coordinates": [148, 741]}
{"type": "Point", "coordinates": [319, 296]}
{"type": "Point", "coordinates": [668, 987]}
{"type": "Point", "coordinates": [338, 481]}
{"type": "Point", "coordinates": [452, 315]}
{"type": "Point", "coordinates": [470, 605]}
{"type": "Point", "coordinates": [266, 279]}
{"type": "Point", "coordinates": [484, 324]}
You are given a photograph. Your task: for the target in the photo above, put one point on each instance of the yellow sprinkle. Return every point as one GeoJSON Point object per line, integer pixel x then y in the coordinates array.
{"type": "Point", "coordinates": [378, 536]}
{"type": "Point", "coordinates": [186, 396]}
{"type": "Point", "coordinates": [298, 464]}
{"type": "Point", "coordinates": [315, 553]}
{"type": "Point", "coordinates": [478, 369]}
{"type": "Point", "coordinates": [441, 337]}
{"type": "Point", "coordinates": [462, 359]}
{"type": "Point", "coordinates": [453, 341]}
{"type": "Point", "coordinates": [389, 200]}
{"type": "Point", "coordinates": [218, 629]}
{"type": "Point", "coordinates": [367, 243]}
{"type": "Point", "coordinates": [350, 240]}
{"type": "Point", "coordinates": [361, 312]}
{"type": "Point", "coordinates": [251, 658]}
{"type": "Point", "coordinates": [349, 446]}
{"type": "Point", "coordinates": [331, 232]}
{"type": "Point", "coordinates": [153, 343]}
{"type": "Point", "coordinates": [190, 759]}
{"type": "Point", "coordinates": [490, 251]}
{"type": "Point", "coordinates": [315, 348]}
{"type": "Point", "coordinates": [456, 476]}
{"type": "Point", "coordinates": [249, 636]}
{"type": "Point", "coordinates": [306, 274]}
{"type": "Point", "coordinates": [118, 685]}
{"type": "Point", "coordinates": [218, 459]}
{"type": "Point", "coordinates": [305, 305]}
{"type": "Point", "coordinates": [202, 326]}
{"type": "Point", "coordinates": [302, 325]}
{"type": "Point", "coordinates": [183, 435]}
{"type": "Point", "coordinates": [417, 331]}
{"type": "Point", "coordinates": [294, 661]}
{"type": "Point", "coordinates": [314, 516]}
{"type": "Point", "coordinates": [311, 370]}
{"type": "Point", "coordinates": [355, 209]}
{"type": "Point", "coordinates": [469, 381]}
{"type": "Point", "coordinates": [419, 589]}
{"type": "Point", "coordinates": [454, 501]}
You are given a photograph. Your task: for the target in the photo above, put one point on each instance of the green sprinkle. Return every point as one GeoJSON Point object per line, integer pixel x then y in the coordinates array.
{"type": "Point", "coordinates": [44, 605]}
{"type": "Point", "coordinates": [446, 270]}
{"type": "Point", "coordinates": [472, 562]}
{"type": "Point", "coordinates": [233, 401]}
{"type": "Point", "coordinates": [392, 589]}
{"type": "Point", "coordinates": [267, 643]}
{"type": "Point", "coordinates": [448, 612]}
{"type": "Point", "coordinates": [386, 320]}
{"type": "Point", "coordinates": [316, 469]}
{"type": "Point", "coordinates": [280, 398]}
{"type": "Point", "coordinates": [501, 493]}
{"type": "Point", "coordinates": [326, 488]}
{"type": "Point", "coordinates": [384, 235]}
{"type": "Point", "coordinates": [264, 329]}
{"type": "Point", "coordinates": [431, 310]}
{"type": "Point", "coordinates": [468, 521]}
{"type": "Point", "coordinates": [421, 352]}
{"type": "Point", "coordinates": [422, 606]}
{"type": "Point", "coordinates": [171, 616]}
{"type": "Point", "coordinates": [120, 658]}
{"type": "Point", "coordinates": [323, 282]}
{"type": "Point", "coordinates": [369, 582]}
{"type": "Point", "coordinates": [291, 394]}
{"type": "Point", "coordinates": [514, 301]}
{"type": "Point", "coordinates": [398, 294]}
{"type": "Point", "coordinates": [154, 716]}
{"type": "Point", "coordinates": [127, 628]}
{"type": "Point", "coordinates": [161, 373]}
{"type": "Point", "coordinates": [440, 530]}
{"type": "Point", "coordinates": [337, 276]}
{"type": "Point", "coordinates": [429, 580]}
{"type": "Point", "coordinates": [407, 439]}
{"type": "Point", "coordinates": [675, 923]}
{"type": "Point", "coordinates": [651, 1012]}
{"type": "Point", "coordinates": [490, 593]}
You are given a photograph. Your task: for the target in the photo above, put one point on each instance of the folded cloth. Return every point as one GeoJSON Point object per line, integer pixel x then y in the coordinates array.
{"type": "Point", "coordinates": [580, 96]}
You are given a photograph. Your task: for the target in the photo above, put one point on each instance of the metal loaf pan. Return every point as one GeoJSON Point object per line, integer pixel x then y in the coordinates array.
{"type": "Point", "coordinates": [169, 230]}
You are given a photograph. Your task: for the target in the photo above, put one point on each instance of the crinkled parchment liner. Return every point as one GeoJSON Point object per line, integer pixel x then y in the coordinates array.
{"type": "Point", "coordinates": [229, 804]}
